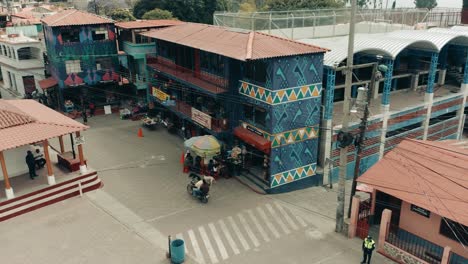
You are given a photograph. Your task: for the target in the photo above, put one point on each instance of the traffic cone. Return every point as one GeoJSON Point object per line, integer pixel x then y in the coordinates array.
{"type": "Point", "coordinates": [140, 132]}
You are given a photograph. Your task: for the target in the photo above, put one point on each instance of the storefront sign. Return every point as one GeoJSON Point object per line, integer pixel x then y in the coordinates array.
{"type": "Point", "coordinates": [420, 211]}
{"type": "Point", "coordinates": [254, 130]}
{"type": "Point", "coordinates": [201, 118]}
{"type": "Point", "coordinates": [169, 103]}
{"type": "Point", "coordinates": [162, 96]}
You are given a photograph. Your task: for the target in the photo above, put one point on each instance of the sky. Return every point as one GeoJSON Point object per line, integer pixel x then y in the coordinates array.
{"type": "Point", "coordinates": [440, 3]}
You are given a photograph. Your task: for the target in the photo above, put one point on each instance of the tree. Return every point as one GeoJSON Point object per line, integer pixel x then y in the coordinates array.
{"type": "Point", "coordinates": [105, 7]}
{"type": "Point", "coordinates": [300, 4]}
{"type": "Point", "coordinates": [121, 14]}
{"type": "Point", "coordinates": [248, 6]}
{"type": "Point", "coordinates": [158, 14]}
{"type": "Point", "coordinates": [429, 4]}
{"type": "Point", "coordinates": [394, 4]}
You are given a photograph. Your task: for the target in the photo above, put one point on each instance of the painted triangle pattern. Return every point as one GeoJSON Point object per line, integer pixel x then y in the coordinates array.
{"type": "Point", "coordinates": [293, 136]}
{"type": "Point", "coordinates": [280, 96]}
{"type": "Point", "coordinates": [293, 175]}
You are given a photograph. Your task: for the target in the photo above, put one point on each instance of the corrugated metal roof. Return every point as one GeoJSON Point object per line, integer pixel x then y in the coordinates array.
{"type": "Point", "coordinates": [73, 17]}
{"type": "Point", "coordinates": [238, 44]}
{"type": "Point", "coordinates": [24, 122]}
{"type": "Point", "coordinates": [431, 175]}
{"type": "Point", "coordinates": [148, 23]}
{"type": "Point", "coordinates": [388, 44]}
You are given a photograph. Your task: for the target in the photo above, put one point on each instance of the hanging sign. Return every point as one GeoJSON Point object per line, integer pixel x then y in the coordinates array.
{"type": "Point", "coordinates": [420, 210]}
{"type": "Point", "coordinates": [162, 96]}
{"type": "Point", "coordinates": [201, 118]}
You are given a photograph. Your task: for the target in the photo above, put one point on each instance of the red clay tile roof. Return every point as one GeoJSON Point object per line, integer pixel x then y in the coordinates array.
{"type": "Point", "coordinates": [25, 122]}
{"type": "Point", "coordinates": [148, 23]}
{"type": "Point", "coordinates": [47, 83]}
{"type": "Point", "coordinates": [431, 175]}
{"type": "Point", "coordinates": [73, 17]}
{"type": "Point", "coordinates": [238, 44]}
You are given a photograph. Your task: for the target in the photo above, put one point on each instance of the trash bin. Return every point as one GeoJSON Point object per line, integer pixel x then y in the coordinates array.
{"type": "Point", "coordinates": [177, 251]}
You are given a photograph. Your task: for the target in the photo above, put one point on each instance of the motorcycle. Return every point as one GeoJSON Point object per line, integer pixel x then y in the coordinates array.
{"type": "Point", "coordinates": [191, 186]}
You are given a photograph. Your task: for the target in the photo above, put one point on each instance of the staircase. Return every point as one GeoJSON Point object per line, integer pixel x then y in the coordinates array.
{"type": "Point", "coordinates": [251, 178]}
{"type": "Point", "coordinates": [455, 75]}
{"type": "Point", "coordinates": [49, 195]}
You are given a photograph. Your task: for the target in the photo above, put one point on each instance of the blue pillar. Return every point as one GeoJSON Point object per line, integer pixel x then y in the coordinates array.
{"type": "Point", "coordinates": [387, 83]}
{"type": "Point", "coordinates": [465, 74]}
{"type": "Point", "coordinates": [432, 72]}
{"type": "Point", "coordinates": [330, 93]}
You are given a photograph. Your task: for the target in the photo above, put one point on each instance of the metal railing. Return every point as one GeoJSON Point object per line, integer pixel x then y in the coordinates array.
{"type": "Point", "coordinates": [457, 259]}
{"type": "Point", "coordinates": [415, 245]}
{"type": "Point", "coordinates": [204, 80]}
{"type": "Point", "coordinates": [284, 23]}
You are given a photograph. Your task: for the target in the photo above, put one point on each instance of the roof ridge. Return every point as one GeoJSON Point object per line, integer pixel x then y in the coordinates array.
{"type": "Point", "coordinates": [64, 16]}
{"type": "Point", "coordinates": [250, 41]}
{"type": "Point", "coordinates": [62, 125]}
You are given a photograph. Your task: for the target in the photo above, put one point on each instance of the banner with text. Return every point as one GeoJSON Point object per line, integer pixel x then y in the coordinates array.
{"type": "Point", "coordinates": [201, 118]}
{"type": "Point", "coordinates": [162, 96]}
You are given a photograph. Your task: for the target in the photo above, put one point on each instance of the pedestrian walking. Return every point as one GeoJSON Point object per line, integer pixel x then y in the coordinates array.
{"type": "Point", "coordinates": [85, 117]}
{"type": "Point", "coordinates": [31, 165]}
{"type": "Point", "coordinates": [368, 245]}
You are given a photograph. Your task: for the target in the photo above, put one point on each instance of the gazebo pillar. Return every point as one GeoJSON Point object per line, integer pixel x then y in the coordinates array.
{"type": "Point", "coordinates": [8, 190]}
{"type": "Point", "coordinates": [83, 168]}
{"type": "Point", "coordinates": [62, 147]}
{"type": "Point", "coordinates": [50, 172]}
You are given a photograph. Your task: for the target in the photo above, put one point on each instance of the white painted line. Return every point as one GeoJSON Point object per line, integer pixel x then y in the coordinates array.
{"type": "Point", "coordinates": [268, 222]}
{"type": "Point", "coordinates": [300, 220]}
{"type": "Point", "coordinates": [286, 216]}
{"type": "Point", "coordinates": [219, 242]}
{"type": "Point", "coordinates": [238, 233]}
{"type": "Point", "coordinates": [180, 236]}
{"type": "Point", "coordinates": [196, 248]}
{"type": "Point", "coordinates": [228, 236]}
{"type": "Point", "coordinates": [209, 247]}
{"type": "Point", "coordinates": [258, 225]}
{"type": "Point", "coordinates": [249, 231]}
{"type": "Point", "coordinates": [278, 219]}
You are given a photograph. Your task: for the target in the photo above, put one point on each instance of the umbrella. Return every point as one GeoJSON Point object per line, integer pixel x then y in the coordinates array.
{"type": "Point", "coordinates": [204, 146]}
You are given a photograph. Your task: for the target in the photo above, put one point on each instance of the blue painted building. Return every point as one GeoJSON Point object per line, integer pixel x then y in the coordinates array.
{"type": "Point", "coordinates": [82, 55]}
{"type": "Point", "coordinates": [259, 91]}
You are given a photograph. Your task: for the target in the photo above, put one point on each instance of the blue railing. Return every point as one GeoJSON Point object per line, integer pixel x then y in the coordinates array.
{"type": "Point", "coordinates": [414, 245]}
{"type": "Point", "coordinates": [457, 259]}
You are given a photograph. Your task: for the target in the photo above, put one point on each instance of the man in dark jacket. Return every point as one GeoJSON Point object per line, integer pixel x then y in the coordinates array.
{"type": "Point", "coordinates": [368, 245]}
{"type": "Point", "coordinates": [30, 161]}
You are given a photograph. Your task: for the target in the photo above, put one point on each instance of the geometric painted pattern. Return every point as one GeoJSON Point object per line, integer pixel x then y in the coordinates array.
{"type": "Point", "coordinates": [280, 96]}
{"type": "Point", "coordinates": [293, 175]}
{"type": "Point", "coordinates": [294, 136]}
{"type": "Point", "coordinates": [288, 137]}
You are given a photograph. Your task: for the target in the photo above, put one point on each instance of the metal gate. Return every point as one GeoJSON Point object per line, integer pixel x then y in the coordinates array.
{"type": "Point", "coordinates": [363, 219]}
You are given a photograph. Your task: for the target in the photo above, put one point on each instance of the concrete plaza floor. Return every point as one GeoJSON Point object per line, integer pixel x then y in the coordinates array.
{"type": "Point", "coordinates": [144, 200]}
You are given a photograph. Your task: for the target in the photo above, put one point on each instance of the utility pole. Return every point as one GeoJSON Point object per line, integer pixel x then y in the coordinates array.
{"type": "Point", "coordinates": [362, 134]}
{"type": "Point", "coordinates": [347, 96]}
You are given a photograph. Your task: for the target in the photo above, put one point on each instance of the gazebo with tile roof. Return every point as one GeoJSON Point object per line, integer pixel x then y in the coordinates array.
{"type": "Point", "coordinates": [24, 122]}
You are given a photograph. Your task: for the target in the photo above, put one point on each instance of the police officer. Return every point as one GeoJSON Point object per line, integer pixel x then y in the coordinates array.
{"type": "Point", "coordinates": [368, 245]}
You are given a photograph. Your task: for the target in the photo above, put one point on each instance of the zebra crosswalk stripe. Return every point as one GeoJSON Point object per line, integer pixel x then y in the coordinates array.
{"type": "Point", "coordinates": [278, 219]}
{"type": "Point", "coordinates": [249, 230]}
{"type": "Point", "coordinates": [258, 226]}
{"type": "Point", "coordinates": [219, 242]}
{"type": "Point", "coordinates": [209, 247]}
{"type": "Point", "coordinates": [268, 222]}
{"type": "Point", "coordinates": [228, 236]}
{"type": "Point", "coordinates": [196, 248]}
{"type": "Point", "coordinates": [286, 216]}
{"type": "Point", "coordinates": [244, 243]}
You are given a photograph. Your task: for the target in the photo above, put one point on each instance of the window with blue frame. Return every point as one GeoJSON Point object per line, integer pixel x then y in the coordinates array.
{"type": "Point", "coordinates": [212, 63]}
{"type": "Point", "coordinates": [256, 71]}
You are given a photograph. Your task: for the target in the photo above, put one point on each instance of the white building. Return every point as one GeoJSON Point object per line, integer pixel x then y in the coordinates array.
{"type": "Point", "coordinates": [21, 65]}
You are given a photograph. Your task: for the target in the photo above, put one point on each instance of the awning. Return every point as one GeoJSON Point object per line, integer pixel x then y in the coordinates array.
{"type": "Point", "coordinates": [253, 139]}
{"type": "Point", "coordinates": [47, 83]}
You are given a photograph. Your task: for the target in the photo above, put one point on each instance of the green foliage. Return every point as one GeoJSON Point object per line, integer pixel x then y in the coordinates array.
{"type": "Point", "coordinates": [300, 4]}
{"type": "Point", "coordinates": [158, 14]}
{"type": "Point", "coordinates": [425, 3]}
{"type": "Point", "coordinates": [121, 14]}
{"type": "Point", "coordinates": [248, 6]}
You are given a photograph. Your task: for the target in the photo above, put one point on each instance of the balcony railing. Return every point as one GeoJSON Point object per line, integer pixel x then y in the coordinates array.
{"type": "Point", "coordinates": [416, 246]}
{"type": "Point", "coordinates": [217, 124]}
{"type": "Point", "coordinates": [209, 82]}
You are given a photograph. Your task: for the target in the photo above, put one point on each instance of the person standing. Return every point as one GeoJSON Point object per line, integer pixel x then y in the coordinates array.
{"type": "Point", "coordinates": [368, 245]}
{"type": "Point", "coordinates": [92, 108]}
{"type": "Point", "coordinates": [85, 117]}
{"type": "Point", "coordinates": [31, 165]}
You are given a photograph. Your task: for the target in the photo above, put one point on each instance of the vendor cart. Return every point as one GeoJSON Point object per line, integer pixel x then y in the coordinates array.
{"type": "Point", "coordinates": [150, 123]}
